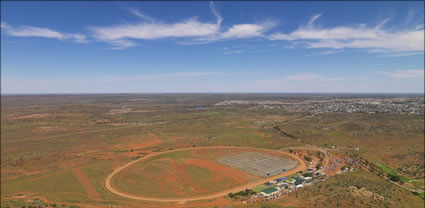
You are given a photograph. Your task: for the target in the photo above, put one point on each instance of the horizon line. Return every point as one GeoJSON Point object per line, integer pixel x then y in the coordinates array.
{"type": "Point", "coordinates": [110, 93]}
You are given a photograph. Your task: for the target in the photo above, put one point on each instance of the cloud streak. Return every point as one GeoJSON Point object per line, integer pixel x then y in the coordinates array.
{"type": "Point", "coordinates": [404, 74]}
{"type": "Point", "coordinates": [148, 31]}
{"type": "Point", "coordinates": [29, 31]}
{"type": "Point", "coordinates": [191, 29]}
{"type": "Point", "coordinates": [359, 36]}
{"type": "Point", "coordinates": [310, 77]}
{"type": "Point", "coordinates": [141, 15]}
{"type": "Point", "coordinates": [303, 76]}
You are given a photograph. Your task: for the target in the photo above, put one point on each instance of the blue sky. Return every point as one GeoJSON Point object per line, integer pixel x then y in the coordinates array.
{"type": "Point", "coordinates": [109, 47]}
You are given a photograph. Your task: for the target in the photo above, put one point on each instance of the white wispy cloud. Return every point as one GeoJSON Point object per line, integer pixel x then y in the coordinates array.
{"type": "Point", "coordinates": [327, 52]}
{"type": "Point", "coordinates": [4, 25]}
{"type": "Point", "coordinates": [241, 31]}
{"type": "Point", "coordinates": [245, 30]}
{"type": "Point", "coordinates": [121, 44]}
{"type": "Point", "coordinates": [180, 75]}
{"type": "Point", "coordinates": [232, 52]}
{"type": "Point", "coordinates": [141, 15]}
{"type": "Point", "coordinates": [191, 29]}
{"type": "Point", "coordinates": [305, 76]}
{"type": "Point", "coordinates": [187, 28]}
{"type": "Point", "coordinates": [359, 36]}
{"type": "Point", "coordinates": [390, 53]}
{"type": "Point", "coordinates": [148, 31]}
{"type": "Point", "coordinates": [165, 76]}
{"type": "Point", "coordinates": [403, 74]}
{"type": "Point", "coordinates": [216, 14]}
{"type": "Point", "coordinates": [29, 31]}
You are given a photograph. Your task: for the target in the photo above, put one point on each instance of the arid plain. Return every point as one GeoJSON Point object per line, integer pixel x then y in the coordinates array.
{"type": "Point", "coordinates": [60, 151]}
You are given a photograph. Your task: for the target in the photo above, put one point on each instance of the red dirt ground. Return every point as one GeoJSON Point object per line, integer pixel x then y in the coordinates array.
{"type": "Point", "coordinates": [37, 115]}
{"type": "Point", "coordinates": [181, 173]}
{"type": "Point", "coordinates": [85, 182]}
{"type": "Point", "coordinates": [225, 171]}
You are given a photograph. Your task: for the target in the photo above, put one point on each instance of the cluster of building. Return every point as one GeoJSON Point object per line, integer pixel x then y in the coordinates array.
{"type": "Point", "coordinates": [281, 186]}
{"type": "Point", "coordinates": [413, 106]}
{"type": "Point", "coordinates": [403, 105]}
{"type": "Point", "coordinates": [334, 164]}
{"type": "Point", "coordinates": [284, 185]}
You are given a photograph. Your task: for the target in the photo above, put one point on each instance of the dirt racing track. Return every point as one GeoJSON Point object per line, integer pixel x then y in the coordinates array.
{"type": "Point", "coordinates": [301, 166]}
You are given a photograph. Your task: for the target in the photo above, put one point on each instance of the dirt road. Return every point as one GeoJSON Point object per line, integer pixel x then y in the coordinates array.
{"type": "Point", "coordinates": [301, 166]}
{"type": "Point", "coordinates": [82, 132]}
{"type": "Point", "coordinates": [85, 182]}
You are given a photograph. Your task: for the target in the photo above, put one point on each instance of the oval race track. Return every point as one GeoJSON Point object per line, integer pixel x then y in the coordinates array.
{"type": "Point", "coordinates": [301, 166]}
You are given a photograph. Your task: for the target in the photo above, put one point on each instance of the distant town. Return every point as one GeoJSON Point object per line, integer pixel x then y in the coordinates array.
{"type": "Point", "coordinates": [410, 105]}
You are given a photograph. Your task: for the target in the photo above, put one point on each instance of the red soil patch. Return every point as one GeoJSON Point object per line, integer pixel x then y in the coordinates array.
{"type": "Point", "coordinates": [223, 171]}
{"type": "Point", "coordinates": [181, 174]}
{"type": "Point", "coordinates": [175, 178]}
{"type": "Point", "coordinates": [85, 182]}
{"type": "Point", "coordinates": [147, 143]}
{"type": "Point", "coordinates": [37, 115]}
{"type": "Point", "coordinates": [42, 129]}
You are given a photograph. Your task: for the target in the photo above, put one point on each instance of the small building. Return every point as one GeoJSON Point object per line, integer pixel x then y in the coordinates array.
{"type": "Point", "coordinates": [285, 185]}
{"type": "Point", "coordinates": [292, 181]}
{"type": "Point", "coordinates": [280, 183]}
{"type": "Point", "coordinates": [269, 192]}
{"type": "Point", "coordinates": [281, 179]}
{"type": "Point", "coordinates": [299, 180]}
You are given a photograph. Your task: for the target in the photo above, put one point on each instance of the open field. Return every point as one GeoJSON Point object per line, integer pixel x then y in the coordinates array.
{"type": "Point", "coordinates": [62, 148]}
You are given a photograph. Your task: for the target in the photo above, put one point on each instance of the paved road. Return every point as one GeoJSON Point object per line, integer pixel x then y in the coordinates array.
{"type": "Point", "coordinates": [302, 166]}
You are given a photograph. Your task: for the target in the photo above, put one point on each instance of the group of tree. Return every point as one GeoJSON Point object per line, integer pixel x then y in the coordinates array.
{"type": "Point", "coordinates": [307, 174]}
{"type": "Point", "coordinates": [246, 192]}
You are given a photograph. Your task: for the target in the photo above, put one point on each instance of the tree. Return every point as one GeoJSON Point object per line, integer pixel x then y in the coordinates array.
{"type": "Point", "coordinates": [395, 178]}
{"type": "Point", "coordinates": [307, 158]}
{"type": "Point", "coordinates": [307, 174]}
{"type": "Point", "coordinates": [318, 166]}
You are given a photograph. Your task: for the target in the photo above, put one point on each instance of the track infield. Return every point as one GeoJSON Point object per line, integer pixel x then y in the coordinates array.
{"type": "Point", "coordinates": [188, 174]}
